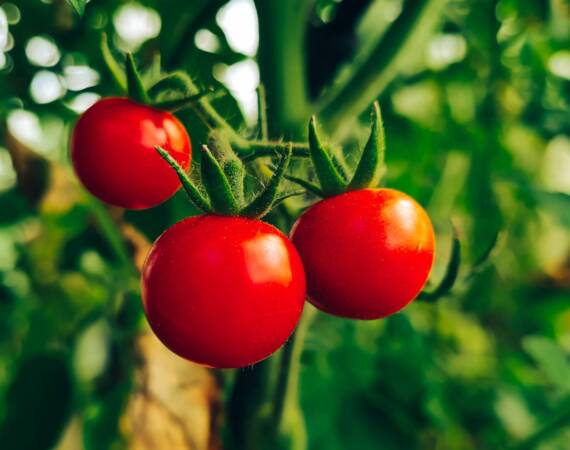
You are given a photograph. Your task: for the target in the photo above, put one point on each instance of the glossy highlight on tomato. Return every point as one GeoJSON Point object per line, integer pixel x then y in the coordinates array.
{"type": "Point", "coordinates": [223, 291]}
{"type": "Point", "coordinates": [112, 151]}
{"type": "Point", "coordinates": [367, 253]}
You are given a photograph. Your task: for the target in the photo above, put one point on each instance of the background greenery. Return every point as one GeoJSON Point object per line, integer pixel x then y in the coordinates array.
{"type": "Point", "coordinates": [475, 98]}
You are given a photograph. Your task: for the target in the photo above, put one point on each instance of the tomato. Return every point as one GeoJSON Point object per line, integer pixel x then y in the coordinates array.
{"type": "Point", "coordinates": [112, 151]}
{"type": "Point", "coordinates": [223, 291]}
{"type": "Point", "coordinates": [367, 253]}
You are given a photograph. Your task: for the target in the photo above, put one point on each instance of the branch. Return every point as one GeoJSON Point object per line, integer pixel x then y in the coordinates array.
{"type": "Point", "coordinates": [401, 43]}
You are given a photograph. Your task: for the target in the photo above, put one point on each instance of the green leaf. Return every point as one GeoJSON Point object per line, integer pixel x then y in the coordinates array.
{"type": "Point", "coordinates": [371, 162]}
{"type": "Point", "coordinates": [263, 203]}
{"type": "Point", "coordinates": [217, 185]}
{"type": "Point", "coordinates": [192, 191]}
{"type": "Point", "coordinates": [78, 5]}
{"type": "Point", "coordinates": [113, 66]}
{"type": "Point", "coordinates": [135, 87]}
{"type": "Point", "coordinates": [551, 360]}
{"type": "Point", "coordinates": [451, 273]}
{"type": "Point", "coordinates": [327, 173]}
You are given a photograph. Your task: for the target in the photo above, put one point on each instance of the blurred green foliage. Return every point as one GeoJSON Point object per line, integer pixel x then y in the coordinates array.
{"type": "Point", "coordinates": [477, 119]}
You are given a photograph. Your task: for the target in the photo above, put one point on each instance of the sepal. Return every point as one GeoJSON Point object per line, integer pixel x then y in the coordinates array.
{"type": "Point", "coordinates": [192, 191]}
{"type": "Point", "coordinates": [135, 87]}
{"type": "Point", "coordinates": [371, 164]}
{"type": "Point", "coordinates": [329, 177]}
{"type": "Point", "coordinates": [217, 185]}
{"type": "Point", "coordinates": [263, 203]}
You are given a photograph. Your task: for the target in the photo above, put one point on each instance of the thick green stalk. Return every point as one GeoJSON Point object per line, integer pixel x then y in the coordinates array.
{"type": "Point", "coordinates": [260, 149]}
{"type": "Point", "coordinates": [284, 428]}
{"type": "Point", "coordinates": [403, 42]}
{"type": "Point", "coordinates": [281, 58]}
{"type": "Point", "coordinates": [287, 387]}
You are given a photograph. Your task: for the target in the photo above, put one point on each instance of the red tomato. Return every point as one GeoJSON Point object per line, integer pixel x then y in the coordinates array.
{"type": "Point", "coordinates": [112, 150]}
{"type": "Point", "coordinates": [366, 253]}
{"type": "Point", "coordinates": [223, 291]}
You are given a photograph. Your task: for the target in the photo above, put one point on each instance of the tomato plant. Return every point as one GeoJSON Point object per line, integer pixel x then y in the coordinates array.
{"type": "Point", "coordinates": [223, 291]}
{"type": "Point", "coordinates": [112, 151]}
{"type": "Point", "coordinates": [367, 253]}
{"type": "Point", "coordinates": [474, 96]}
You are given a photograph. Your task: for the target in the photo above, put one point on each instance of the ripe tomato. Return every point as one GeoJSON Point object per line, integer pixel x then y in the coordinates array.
{"type": "Point", "coordinates": [223, 291]}
{"type": "Point", "coordinates": [112, 150]}
{"type": "Point", "coordinates": [366, 253]}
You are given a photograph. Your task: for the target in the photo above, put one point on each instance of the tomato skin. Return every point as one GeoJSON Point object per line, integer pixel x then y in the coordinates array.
{"type": "Point", "coordinates": [367, 253]}
{"type": "Point", "coordinates": [112, 152]}
{"type": "Point", "coordinates": [223, 291]}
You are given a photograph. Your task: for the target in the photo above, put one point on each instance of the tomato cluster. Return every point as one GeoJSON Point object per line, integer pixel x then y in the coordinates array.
{"type": "Point", "coordinates": [227, 290]}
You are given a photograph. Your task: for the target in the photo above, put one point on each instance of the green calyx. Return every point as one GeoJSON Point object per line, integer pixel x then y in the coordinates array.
{"type": "Point", "coordinates": [171, 92]}
{"type": "Point", "coordinates": [331, 180]}
{"type": "Point", "coordinates": [331, 174]}
{"type": "Point", "coordinates": [222, 178]}
{"type": "Point", "coordinates": [135, 86]}
{"type": "Point", "coordinates": [369, 169]}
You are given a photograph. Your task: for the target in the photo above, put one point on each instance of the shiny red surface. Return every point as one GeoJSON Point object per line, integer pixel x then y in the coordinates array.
{"type": "Point", "coordinates": [112, 150]}
{"type": "Point", "coordinates": [223, 291]}
{"type": "Point", "coordinates": [366, 253]}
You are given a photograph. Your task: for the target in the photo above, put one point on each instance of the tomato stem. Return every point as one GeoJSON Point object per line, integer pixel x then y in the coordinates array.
{"type": "Point", "coordinates": [179, 103]}
{"type": "Point", "coordinates": [262, 112]}
{"type": "Point", "coordinates": [312, 188]}
{"type": "Point", "coordinates": [382, 65]}
{"type": "Point", "coordinates": [287, 386]}
{"type": "Point", "coordinates": [112, 64]}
